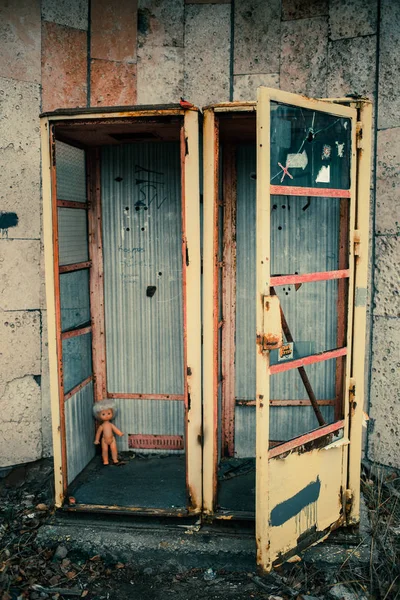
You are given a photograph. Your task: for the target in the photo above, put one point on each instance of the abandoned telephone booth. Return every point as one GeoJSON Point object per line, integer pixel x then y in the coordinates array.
{"type": "Point", "coordinates": [249, 407]}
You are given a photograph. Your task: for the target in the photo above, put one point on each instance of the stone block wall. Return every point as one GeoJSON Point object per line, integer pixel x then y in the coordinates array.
{"type": "Point", "coordinates": [384, 409]}
{"type": "Point", "coordinates": [79, 53]}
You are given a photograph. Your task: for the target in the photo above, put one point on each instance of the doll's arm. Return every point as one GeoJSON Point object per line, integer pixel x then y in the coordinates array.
{"type": "Point", "coordinates": [116, 430]}
{"type": "Point", "coordinates": [98, 435]}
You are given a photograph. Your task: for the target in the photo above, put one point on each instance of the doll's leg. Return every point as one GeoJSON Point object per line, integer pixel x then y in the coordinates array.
{"type": "Point", "coordinates": [114, 451]}
{"type": "Point", "coordinates": [104, 452]}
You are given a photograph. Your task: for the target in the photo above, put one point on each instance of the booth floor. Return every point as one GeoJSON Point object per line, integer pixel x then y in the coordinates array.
{"type": "Point", "coordinates": [158, 481]}
{"type": "Point", "coordinates": [145, 482]}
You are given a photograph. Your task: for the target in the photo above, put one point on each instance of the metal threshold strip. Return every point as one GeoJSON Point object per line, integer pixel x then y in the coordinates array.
{"type": "Point", "coordinates": [127, 510]}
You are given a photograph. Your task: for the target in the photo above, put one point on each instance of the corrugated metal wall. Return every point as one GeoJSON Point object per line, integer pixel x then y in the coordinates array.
{"type": "Point", "coordinates": [75, 308]}
{"type": "Point", "coordinates": [141, 200]}
{"type": "Point", "coordinates": [142, 236]}
{"type": "Point", "coordinates": [303, 240]}
{"type": "Point", "coordinates": [80, 432]}
{"type": "Point", "coordinates": [158, 417]}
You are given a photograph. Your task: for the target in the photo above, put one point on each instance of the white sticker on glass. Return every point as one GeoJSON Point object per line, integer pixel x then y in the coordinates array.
{"type": "Point", "coordinates": [297, 161]}
{"type": "Point", "coordinates": [340, 149]}
{"type": "Point", "coordinates": [324, 175]}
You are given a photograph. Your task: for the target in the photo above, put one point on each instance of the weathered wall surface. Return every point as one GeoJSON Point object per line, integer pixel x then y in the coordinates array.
{"type": "Point", "coordinates": [383, 443]}
{"type": "Point", "coordinates": [72, 53]}
{"type": "Point", "coordinates": [20, 229]}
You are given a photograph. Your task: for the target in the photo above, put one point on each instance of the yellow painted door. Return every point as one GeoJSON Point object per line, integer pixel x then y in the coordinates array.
{"type": "Point", "coordinates": [306, 208]}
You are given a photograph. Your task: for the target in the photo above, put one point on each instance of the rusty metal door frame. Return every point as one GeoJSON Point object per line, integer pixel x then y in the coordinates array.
{"type": "Point", "coordinates": [189, 144]}
{"type": "Point", "coordinates": [212, 326]}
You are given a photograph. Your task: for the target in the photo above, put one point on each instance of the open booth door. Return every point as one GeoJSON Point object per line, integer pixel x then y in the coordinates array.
{"type": "Point", "coordinates": [306, 210]}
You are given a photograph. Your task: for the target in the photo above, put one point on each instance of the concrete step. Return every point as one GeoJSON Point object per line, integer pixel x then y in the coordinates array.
{"type": "Point", "coordinates": [162, 548]}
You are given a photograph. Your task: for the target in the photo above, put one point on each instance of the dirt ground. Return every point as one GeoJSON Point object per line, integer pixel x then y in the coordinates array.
{"type": "Point", "coordinates": [29, 571]}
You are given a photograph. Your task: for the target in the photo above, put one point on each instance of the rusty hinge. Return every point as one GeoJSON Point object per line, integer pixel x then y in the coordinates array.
{"type": "Point", "coordinates": [348, 501]}
{"type": "Point", "coordinates": [352, 386]}
{"type": "Point", "coordinates": [200, 437]}
{"type": "Point", "coordinates": [357, 242]}
{"type": "Point", "coordinates": [359, 135]}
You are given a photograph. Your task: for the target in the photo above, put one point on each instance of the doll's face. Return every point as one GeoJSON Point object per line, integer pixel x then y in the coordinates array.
{"type": "Point", "coordinates": [106, 414]}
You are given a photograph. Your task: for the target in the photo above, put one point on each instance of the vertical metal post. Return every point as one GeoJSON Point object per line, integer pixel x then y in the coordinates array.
{"type": "Point", "coordinates": [262, 359]}
{"type": "Point", "coordinates": [210, 312]}
{"type": "Point", "coordinates": [192, 305]}
{"type": "Point", "coordinates": [229, 300]}
{"type": "Point", "coordinates": [53, 325]}
{"type": "Point", "coordinates": [350, 303]}
{"type": "Point", "coordinates": [360, 310]}
{"type": "Point", "coordinates": [96, 274]}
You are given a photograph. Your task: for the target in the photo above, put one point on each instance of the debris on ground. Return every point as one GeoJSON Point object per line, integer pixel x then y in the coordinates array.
{"type": "Point", "coordinates": [29, 571]}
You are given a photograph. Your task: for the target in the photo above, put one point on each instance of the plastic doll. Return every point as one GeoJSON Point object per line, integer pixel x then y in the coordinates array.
{"type": "Point", "coordinates": [105, 411]}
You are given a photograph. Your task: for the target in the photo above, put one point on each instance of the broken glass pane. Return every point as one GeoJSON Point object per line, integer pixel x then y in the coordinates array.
{"type": "Point", "coordinates": [309, 148]}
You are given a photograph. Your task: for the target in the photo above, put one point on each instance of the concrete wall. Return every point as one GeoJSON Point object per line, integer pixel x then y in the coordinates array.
{"type": "Point", "coordinates": [68, 53]}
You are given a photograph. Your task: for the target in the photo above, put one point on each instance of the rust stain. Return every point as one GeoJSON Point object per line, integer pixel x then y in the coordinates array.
{"type": "Point", "coordinates": [114, 30]}
{"type": "Point", "coordinates": [268, 341]}
{"type": "Point", "coordinates": [64, 67]}
{"type": "Point", "coordinates": [112, 83]}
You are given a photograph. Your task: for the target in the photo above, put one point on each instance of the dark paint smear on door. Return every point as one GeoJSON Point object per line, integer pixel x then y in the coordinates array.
{"type": "Point", "coordinates": [8, 219]}
{"type": "Point", "coordinates": [291, 507]}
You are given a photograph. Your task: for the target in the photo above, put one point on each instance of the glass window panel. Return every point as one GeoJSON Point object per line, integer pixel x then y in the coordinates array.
{"type": "Point", "coordinates": [75, 299]}
{"type": "Point", "coordinates": [311, 315]}
{"type": "Point", "coordinates": [77, 360]}
{"type": "Point", "coordinates": [72, 236]}
{"type": "Point", "coordinates": [309, 148]}
{"type": "Point", "coordinates": [287, 422]}
{"type": "Point", "coordinates": [305, 234]}
{"type": "Point", "coordinates": [71, 173]}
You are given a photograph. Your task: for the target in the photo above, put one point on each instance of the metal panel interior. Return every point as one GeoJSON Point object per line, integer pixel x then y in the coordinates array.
{"type": "Point", "coordinates": [157, 417]}
{"type": "Point", "coordinates": [72, 236]}
{"type": "Point", "coordinates": [142, 232]}
{"type": "Point", "coordinates": [75, 308]}
{"type": "Point", "coordinates": [143, 292]}
{"type": "Point", "coordinates": [304, 239]}
{"type": "Point", "coordinates": [79, 425]}
{"type": "Point", "coordinates": [77, 360]}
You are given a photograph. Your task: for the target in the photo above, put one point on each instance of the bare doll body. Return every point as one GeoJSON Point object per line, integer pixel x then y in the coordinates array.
{"type": "Point", "coordinates": [106, 433]}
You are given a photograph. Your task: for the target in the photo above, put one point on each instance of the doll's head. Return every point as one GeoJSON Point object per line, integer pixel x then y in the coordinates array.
{"type": "Point", "coordinates": [105, 410]}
